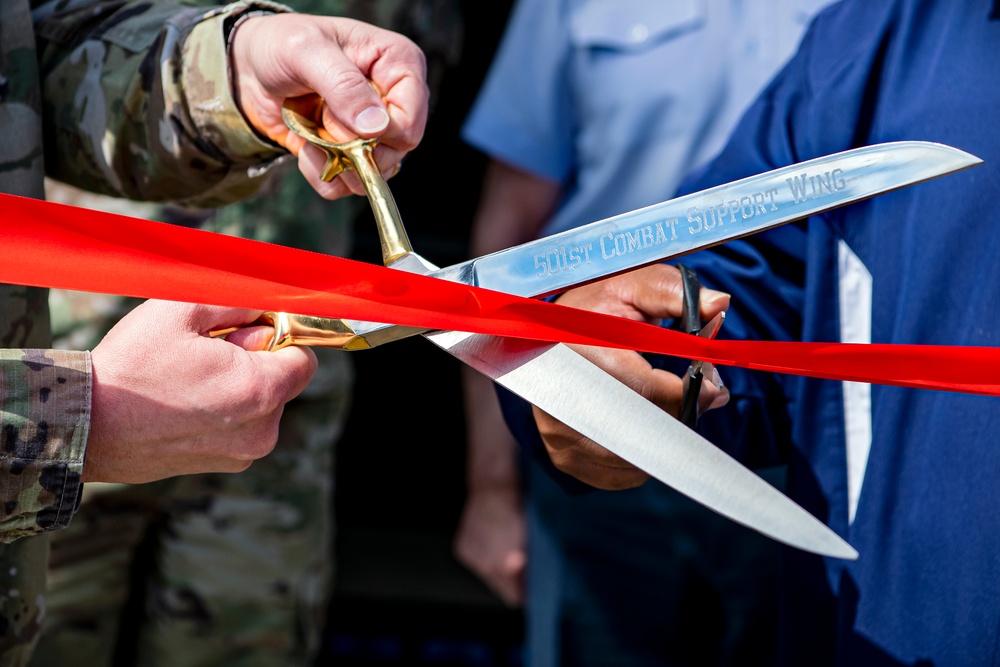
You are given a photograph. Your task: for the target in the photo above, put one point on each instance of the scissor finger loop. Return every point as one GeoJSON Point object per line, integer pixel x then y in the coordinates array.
{"type": "Point", "coordinates": [358, 155]}
{"type": "Point", "coordinates": [690, 322]}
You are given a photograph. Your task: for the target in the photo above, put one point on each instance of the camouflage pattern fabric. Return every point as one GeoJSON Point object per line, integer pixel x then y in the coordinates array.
{"type": "Point", "coordinates": [81, 93]}
{"type": "Point", "coordinates": [215, 569]}
{"type": "Point", "coordinates": [202, 569]}
{"type": "Point", "coordinates": [101, 139]}
{"type": "Point", "coordinates": [110, 133]}
{"type": "Point", "coordinates": [39, 458]}
{"type": "Point", "coordinates": [231, 570]}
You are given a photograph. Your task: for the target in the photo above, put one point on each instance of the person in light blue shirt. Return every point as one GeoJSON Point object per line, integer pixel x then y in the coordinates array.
{"type": "Point", "coordinates": [592, 108]}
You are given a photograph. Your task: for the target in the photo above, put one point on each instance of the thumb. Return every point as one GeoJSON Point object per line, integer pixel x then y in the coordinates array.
{"type": "Point", "coordinates": [287, 370]}
{"type": "Point", "coordinates": [659, 293]}
{"type": "Point", "coordinates": [712, 302]}
{"type": "Point", "coordinates": [359, 110]}
{"type": "Point", "coordinates": [251, 338]}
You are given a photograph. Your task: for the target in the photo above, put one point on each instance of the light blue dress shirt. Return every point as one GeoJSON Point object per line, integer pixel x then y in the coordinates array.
{"type": "Point", "coordinates": [619, 99]}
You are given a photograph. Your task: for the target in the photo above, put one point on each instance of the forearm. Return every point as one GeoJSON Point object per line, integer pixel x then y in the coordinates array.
{"type": "Point", "coordinates": [44, 424]}
{"type": "Point", "coordinates": [159, 121]}
{"type": "Point", "coordinates": [512, 207]}
{"type": "Point", "coordinates": [492, 451]}
{"type": "Point", "coordinates": [490, 539]}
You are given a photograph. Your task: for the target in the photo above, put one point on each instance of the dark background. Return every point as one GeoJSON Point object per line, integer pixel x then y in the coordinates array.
{"type": "Point", "coordinates": [401, 597]}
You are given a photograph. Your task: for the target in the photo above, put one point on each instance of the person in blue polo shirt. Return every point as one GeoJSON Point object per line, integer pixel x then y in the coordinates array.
{"type": "Point", "coordinates": [907, 476]}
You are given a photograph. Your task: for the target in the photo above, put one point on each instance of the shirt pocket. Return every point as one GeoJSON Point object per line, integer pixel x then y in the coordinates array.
{"type": "Point", "coordinates": [633, 25]}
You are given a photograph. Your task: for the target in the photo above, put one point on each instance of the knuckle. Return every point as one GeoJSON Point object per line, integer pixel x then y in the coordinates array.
{"type": "Point", "coordinates": [257, 405]}
{"type": "Point", "coordinates": [334, 189]}
{"type": "Point", "coordinates": [263, 442]}
{"type": "Point", "coordinates": [304, 38]}
{"type": "Point", "coordinates": [346, 82]}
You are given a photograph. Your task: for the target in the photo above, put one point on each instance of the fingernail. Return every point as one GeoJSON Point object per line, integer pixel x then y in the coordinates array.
{"type": "Point", "coordinates": [721, 400]}
{"type": "Point", "coordinates": [710, 295]}
{"type": "Point", "coordinates": [372, 119]}
{"type": "Point", "coordinates": [391, 171]}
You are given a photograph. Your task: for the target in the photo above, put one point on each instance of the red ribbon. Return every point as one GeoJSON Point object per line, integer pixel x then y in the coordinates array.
{"type": "Point", "coordinates": [46, 244]}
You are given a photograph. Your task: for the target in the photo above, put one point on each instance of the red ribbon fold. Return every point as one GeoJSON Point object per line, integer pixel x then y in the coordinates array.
{"type": "Point", "coordinates": [46, 244]}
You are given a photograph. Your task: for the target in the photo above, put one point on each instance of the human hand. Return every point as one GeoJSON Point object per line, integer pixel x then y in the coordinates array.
{"type": "Point", "coordinates": [170, 400]}
{"type": "Point", "coordinates": [647, 294]}
{"type": "Point", "coordinates": [348, 63]}
{"type": "Point", "coordinates": [491, 540]}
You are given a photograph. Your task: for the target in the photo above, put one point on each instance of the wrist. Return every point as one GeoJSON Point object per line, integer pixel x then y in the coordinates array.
{"type": "Point", "coordinates": [230, 29]}
{"type": "Point", "coordinates": [208, 84]}
{"type": "Point", "coordinates": [492, 482]}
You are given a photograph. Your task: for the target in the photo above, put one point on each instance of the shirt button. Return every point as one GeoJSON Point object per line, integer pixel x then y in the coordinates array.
{"type": "Point", "coordinates": [639, 33]}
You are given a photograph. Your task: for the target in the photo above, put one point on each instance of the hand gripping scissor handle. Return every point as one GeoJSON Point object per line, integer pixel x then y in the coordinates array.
{"type": "Point", "coordinates": [302, 115]}
{"type": "Point", "coordinates": [690, 323]}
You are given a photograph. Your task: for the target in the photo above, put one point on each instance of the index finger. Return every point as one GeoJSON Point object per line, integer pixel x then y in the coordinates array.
{"type": "Point", "coordinates": [658, 292]}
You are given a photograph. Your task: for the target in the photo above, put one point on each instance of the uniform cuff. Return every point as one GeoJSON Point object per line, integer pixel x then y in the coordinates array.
{"type": "Point", "coordinates": [46, 419]}
{"type": "Point", "coordinates": [206, 80]}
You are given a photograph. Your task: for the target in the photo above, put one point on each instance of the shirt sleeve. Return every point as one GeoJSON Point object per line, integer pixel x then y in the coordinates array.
{"type": "Point", "coordinates": [44, 423]}
{"type": "Point", "coordinates": [137, 101]}
{"type": "Point", "coordinates": [523, 113]}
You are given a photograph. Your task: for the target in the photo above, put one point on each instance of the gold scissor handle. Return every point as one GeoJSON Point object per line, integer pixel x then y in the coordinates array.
{"type": "Point", "coordinates": [290, 329]}
{"type": "Point", "coordinates": [303, 116]}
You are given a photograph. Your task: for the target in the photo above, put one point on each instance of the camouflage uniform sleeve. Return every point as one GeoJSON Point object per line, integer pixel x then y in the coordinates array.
{"type": "Point", "coordinates": [137, 101]}
{"type": "Point", "coordinates": [44, 421]}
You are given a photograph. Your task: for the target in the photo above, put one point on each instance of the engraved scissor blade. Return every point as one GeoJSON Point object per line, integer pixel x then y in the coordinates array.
{"type": "Point", "coordinates": [585, 397]}
{"type": "Point", "coordinates": [550, 375]}
{"type": "Point", "coordinates": [581, 395]}
{"type": "Point", "coordinates": [703, 219]}
{"type": "Point", "coordinates": [695, 221]}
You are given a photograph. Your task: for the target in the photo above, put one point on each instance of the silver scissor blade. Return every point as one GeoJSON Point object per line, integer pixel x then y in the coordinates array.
{"type": "Point", "coordinates": [693, 222]}
{"type": "Point", "coordinates": [578, 393]}
{"type": "Point", "coordinates": [703, 219]}
{"type": "Point", "coordinates": [581, 395]}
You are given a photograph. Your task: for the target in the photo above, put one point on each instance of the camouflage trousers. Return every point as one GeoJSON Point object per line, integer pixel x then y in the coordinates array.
{"type": "Point", "coordinates": [22, 605]}
{"type": "Point", "coordinates": [212, 569]}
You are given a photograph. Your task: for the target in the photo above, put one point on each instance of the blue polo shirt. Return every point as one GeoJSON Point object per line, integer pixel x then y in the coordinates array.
{"type": "Point", "coordinates": [919, 499]}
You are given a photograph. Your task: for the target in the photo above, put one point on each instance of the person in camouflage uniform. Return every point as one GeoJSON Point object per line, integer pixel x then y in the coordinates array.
{"type": "Point", "coordinates": [134, 99]}
{"type": "Point", "coordinates": [158, 549]}
{"type": "Point", "coordinates": [214, 569]}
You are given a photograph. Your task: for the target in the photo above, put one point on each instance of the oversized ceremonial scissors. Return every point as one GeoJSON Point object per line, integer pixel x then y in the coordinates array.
{"type": "Point", "coordinates": [566, 385]}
